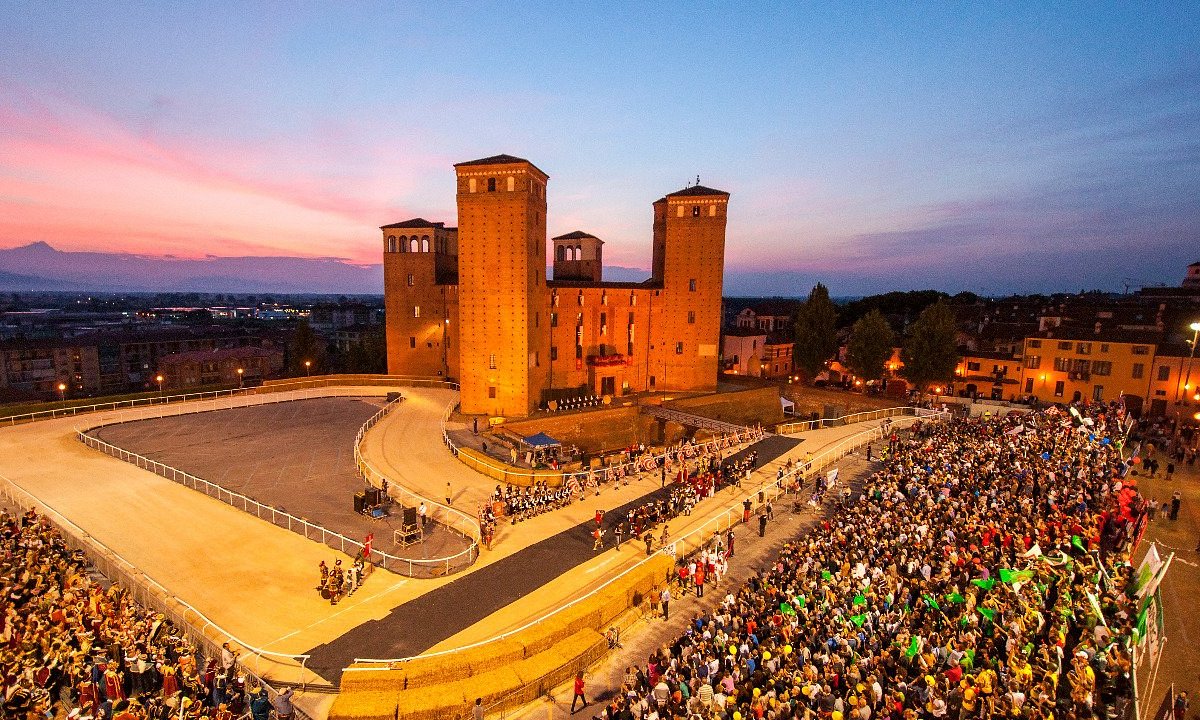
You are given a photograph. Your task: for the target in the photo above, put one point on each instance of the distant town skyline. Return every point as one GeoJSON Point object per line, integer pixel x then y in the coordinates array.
{"type": "Point", "coordinates": [993, 149]}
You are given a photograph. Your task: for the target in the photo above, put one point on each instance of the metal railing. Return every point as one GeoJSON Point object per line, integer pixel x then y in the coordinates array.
{"type": "Point", "coordinates": [272, 386]}
{"type": "Point", "coordinates": [151, 594]}
{"type": "Point", "coordinates": [688, 542]}
{"type": "Point", "coordinates": [643, 463]}
{"type": "Point", "coordinates": [799, 426]}
{"type": "Point", "coordinates": [413, 567]}
{"type": "Point", "coordinates": [454, 520]}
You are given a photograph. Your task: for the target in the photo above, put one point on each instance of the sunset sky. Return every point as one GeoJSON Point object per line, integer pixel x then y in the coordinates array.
{"type": "Point", "coordinates": [990, 147]}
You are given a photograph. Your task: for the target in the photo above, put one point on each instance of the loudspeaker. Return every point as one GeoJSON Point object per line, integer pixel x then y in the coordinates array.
{"type": "Point", "coordinates": [374, 496]}
{"type": "Point", "coordinates": [360, 502]}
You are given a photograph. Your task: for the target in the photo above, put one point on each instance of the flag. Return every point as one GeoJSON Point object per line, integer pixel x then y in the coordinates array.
{"type": "Point", "coordinates": [802, 601]}
{"type": "Point", "coordinates": [786, 609]}
{"type": "Point", "coordinates": [860, 599]}
{"type": "Point", "coordinates": [914, 647]}
{"type": "Point", "coordinates": [858, 619]}
{"type": "Point", "coordinates": [985, 584]}
{"type": "Point", "coordinates": [826, 575]}
{"type": "Point", "coordinates": [1012, 576]}
{"type": "Point", "coordinates": [987, 613]}
{"type": "Point", "coordinates": [1143, 616]}
{"type": "Point", "coordinates": [1078, 543]}
{"type": "Point", "coordinates": [932, 603]}
{"type": "Point", "coordinates": [955, 597]}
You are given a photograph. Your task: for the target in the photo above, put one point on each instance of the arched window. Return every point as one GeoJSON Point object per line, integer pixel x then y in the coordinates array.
{"type": "Point", "coordinates": [491, 184]}
{"type": "Point", "coordinates": [578, 253]}
{"type": "Point", "coordinates": [425, 243]}
{"type": "Point", "coordinates": [512, 183]}
{"type": "Point", "coordinates": [559, 254]}
{"type": "Point", "coordinates": [391, 243]}
{"type": "Point", "coordinates": [403, 243]}
{"type": "Point", "coordinates": [414, 244]}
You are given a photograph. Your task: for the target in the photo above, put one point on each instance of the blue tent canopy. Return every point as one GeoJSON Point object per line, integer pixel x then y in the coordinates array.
{"type": "Point", "coordinates": [541, 440]}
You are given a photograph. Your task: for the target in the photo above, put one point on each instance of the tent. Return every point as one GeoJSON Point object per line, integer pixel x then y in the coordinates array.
{"type": "Point", "coordinates": [789, 407]}
{"type": "Point", "coordinates": [541, 441]}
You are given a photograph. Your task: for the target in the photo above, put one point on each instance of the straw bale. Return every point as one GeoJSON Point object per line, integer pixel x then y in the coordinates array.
{"type": "Point", "coordinates": [363, 706]}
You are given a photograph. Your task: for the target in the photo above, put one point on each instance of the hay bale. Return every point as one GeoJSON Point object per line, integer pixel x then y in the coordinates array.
{"type": "Point", "coordinates": [493, 655]}
{"type": "Point", "coordinates": [371, 680]}
{"type": "Point", "coordinates": [432, 702]}
{"type": "Point", "coordinates": [364, 706]}
{"type": "Point", "coordinates": [432, 670]}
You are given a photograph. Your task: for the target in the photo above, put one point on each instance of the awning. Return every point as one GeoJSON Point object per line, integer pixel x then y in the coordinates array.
{"type": "Point", "coordinates": [787, 404]}
{"type": "Point", "coordinates": [541, 440]}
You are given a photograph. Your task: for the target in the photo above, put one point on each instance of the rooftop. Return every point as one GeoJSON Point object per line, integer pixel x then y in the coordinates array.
{"type": "Point", "coordinates": [577, 235]}
{"type": "Point", "coordinates": [697, 190]}
{"type": "Point", "coordinates": [414, 223]}
{"type": "Point", "coordinates": [501, 159]}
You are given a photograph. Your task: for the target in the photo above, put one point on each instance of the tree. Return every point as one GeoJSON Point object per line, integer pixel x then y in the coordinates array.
{"type": "Point", "coordinates": [929, 353]}
{"type": "Point", "coordinates": [816, 332]}
{"type": "Point", "coordinates": [304, 345]}
{"type": "Point", "coordinates": [870, 345]}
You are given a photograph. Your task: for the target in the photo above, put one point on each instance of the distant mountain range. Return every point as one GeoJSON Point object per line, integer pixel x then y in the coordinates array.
{"type": "Point", "coordinates": [40, 267]}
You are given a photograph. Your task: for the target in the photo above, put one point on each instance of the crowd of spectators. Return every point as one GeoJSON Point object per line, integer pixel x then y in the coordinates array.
{"type": "Point", "coordinates": [74, 646]}
{"type": "Point", "coordinates": [981, 572]}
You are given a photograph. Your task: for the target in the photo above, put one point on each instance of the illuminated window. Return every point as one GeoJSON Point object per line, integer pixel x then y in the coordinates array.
{"type": "Point", "coordinates": [712, 210]}
{"type": "Point", "coordinates": [679, 211]}
{"type": "Point", "coordinates": [512, 183]}
{"type": "Point", "coordinates": [691, 317]}
{"type": "Point", "coordinates": [416, 311]}
{"type": "Point", "coordinates": [695, 211]}
{"type": "Point", "coordinates": [492, 361]}
{"type": "Point", "coordinates": [678, 348]}
{"type": "Point", "coordinates": [410, 280]}
{"type": "Point", "coordinates": [1141, 349]}
{"type": "Point", "coordinates": [471, 185]}
{"type": "Point", "coordinates": [1059, 386]}
{"type": "Point", "coordinates": [553, 319]}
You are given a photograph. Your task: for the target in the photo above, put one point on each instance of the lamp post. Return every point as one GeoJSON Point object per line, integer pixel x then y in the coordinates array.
{"type": "Point", "coordinates": [62, 392]}
{"type": "Point", "coordinates": [1187, 382]}
{"type": "Point", "coordinates": [159, 379]}
{"type": "Point", "coordinates": [240, 372]}
{"type": "Point", "coordinates": [307, 367]}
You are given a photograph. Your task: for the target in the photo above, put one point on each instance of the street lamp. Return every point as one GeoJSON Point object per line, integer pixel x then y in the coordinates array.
{"type": "Point", "coordinates": [1195, 328]}
{"type": "Point", "coordinates": [307, 367]}
{"type": "Point", "coordinates": [159, 379]}
{"type": "Point", "coordinates": [62, 392]}
{"type": "Point", "coordinates": [240, 372]}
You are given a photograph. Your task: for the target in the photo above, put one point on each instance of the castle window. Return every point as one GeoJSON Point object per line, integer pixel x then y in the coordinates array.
{"type": "Point", "coordinates": [403, 243]}
{"type": "Point", "coordinates": [412, 341]}
{"type": "Point", "coordinates": [578, 252]}
{"type": "Point", "coordinates": [695, 211]}
{"type": "Point", "coordinates": [692, 285]}
{"type": "Point", "coordinates": [553, 353]}
{"type": "Point", "coordinates": [604, 298]}
{"type": "Point", "coordinates": [554, 299]}
{"type": "Point", "coordinates": [603, 323]}
{"type": "Point", "coordinates": [712, 210]}
{"type": "Point", "coordinates": [553, 319]}
{"type": "Point", "coordinates": [391, 243]}
{"type": "Point", "coordinates": [491, 184]}
{"type": "Point", "coordinates": [410, 279]}
{"type": "Point", "coordinates": [678, 211]}
{"type": "Point", "coordinates": [414, 245]}
{"type": "Point", "coordinates": [581, 298]}
{"type": "Point", "coordinates": [691, 317]}
{"type": "Point", "coordinates": [678, 348]}
{"type": "Point", "coordinates": [559, 253]}
{"type": "Point", "coordinates": [492, 361]}
{"type": "Point", "coordinates": [416, 311]}
{"type": "Point", "coordinates": [632, 299]}
{"type": "Point", "coordinates": [425, 243]}
{"type": "Point", "coordinates": [492, 392]}
{"type": "Point", "coordinates": [512, 183]}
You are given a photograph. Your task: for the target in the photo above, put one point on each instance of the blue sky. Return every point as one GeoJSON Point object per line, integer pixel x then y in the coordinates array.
{"type": "Point", "coordinates": [986, 147]}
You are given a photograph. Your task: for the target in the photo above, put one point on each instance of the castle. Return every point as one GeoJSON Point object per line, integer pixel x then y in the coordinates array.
{"type": "Point", "coordinates": [473, 303]}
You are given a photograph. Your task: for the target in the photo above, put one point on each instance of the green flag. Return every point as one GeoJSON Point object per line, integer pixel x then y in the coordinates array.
{"type": "Point", "coordinates": [985, 584]}
{"type": "Point", "coordinates": [955, 598]}
{"type": "Point", "coordinates": [858, 619]}
{"type": "Point", "coordinates": [914, 647]}
{"type": "Point", "coordinates": [1077, 542]}
{"type": "Point", "coordinates": [860, 599]}
{"type": "Point", "coordinates": [932, 603]}
{"type": "Point", "coordinates": [987, 613]}
{"type": "Point", "coordinates": [802, 601]}
{"type": "Point", "coordinates": [1143, 617]}
{"type": "Point", "coordinates": [1012, 576]}
{"type": "Point", "coordinates": [826, 575]}
{"type": "Point", "coordinates": [786, 609]}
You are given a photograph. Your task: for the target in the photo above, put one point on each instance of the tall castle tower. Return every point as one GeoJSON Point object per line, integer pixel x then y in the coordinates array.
{"type": "Point", "coordinates": [503, 349]}
{"type": "Point", "coordinates": [689, 259]}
